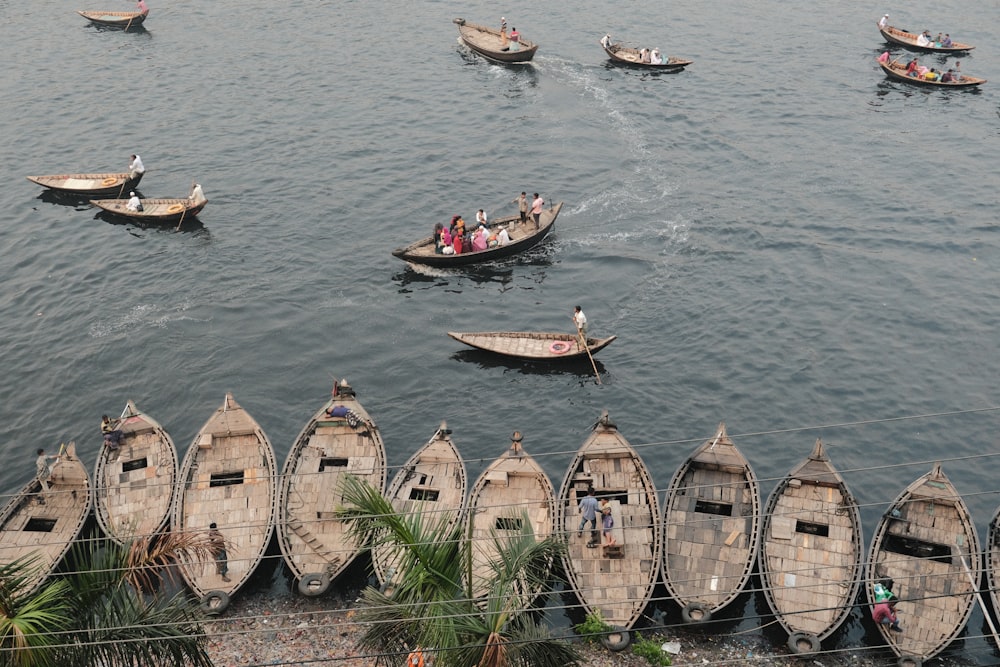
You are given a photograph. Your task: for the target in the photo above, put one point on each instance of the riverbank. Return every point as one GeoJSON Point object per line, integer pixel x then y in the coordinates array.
{"type": "Point", "coordinates": [261, 629]}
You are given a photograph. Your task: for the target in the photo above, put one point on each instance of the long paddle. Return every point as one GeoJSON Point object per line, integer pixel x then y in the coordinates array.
{"type": "Point", "coordinates": [979, 598]}
{"type": "Point", "coordinates": [583, 341]}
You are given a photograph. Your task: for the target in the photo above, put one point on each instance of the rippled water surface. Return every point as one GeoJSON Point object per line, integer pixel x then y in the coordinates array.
{"type": "Point", "coordinates": [781, 239]}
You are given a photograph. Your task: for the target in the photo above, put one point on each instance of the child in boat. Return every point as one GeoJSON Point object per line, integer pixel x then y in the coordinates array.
{"type": "Point", "coordinates": [607, 523]}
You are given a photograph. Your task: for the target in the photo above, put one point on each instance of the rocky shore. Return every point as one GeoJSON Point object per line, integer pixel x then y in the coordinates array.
{"type": "Point", "coordinates": [261, 629]}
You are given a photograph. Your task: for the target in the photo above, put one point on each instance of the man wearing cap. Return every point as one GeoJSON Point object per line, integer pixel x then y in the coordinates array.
{"type": "Point", "coordinates": [134, 203]}
{"type": "Point", "coordinates": [883, 22]}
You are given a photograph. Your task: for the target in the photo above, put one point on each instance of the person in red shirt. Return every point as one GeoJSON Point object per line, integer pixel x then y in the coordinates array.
{"type": "Point", "coordinates": [884, 613]}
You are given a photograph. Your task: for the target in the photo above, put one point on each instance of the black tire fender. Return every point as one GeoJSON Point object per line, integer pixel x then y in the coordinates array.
{"type": "Point", "coordinates": [909, 661]}
{"type": "Point", "coordinates": [696, 612]}
{"type": "Point", "coordinates": [215, 602]}
{"type": "Point", "coordinates": [314, 584]}
{"type": "Point", "coordinates": [618, 639]}
{"type": "Point", "coordinates": [803, 643]}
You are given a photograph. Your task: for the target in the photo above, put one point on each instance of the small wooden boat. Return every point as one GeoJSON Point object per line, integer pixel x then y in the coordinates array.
{"type": "Point", "coordinates": [992, 558]}
{"type": "Point", "coordinates": [897, 71]}
{"type": "Point", "coordinates": [624, 55]}
{"type": "Point", "coordinates": [927, 549]}
{"type": "Point", "coordinates": [89, 185]}
{"type": "Point", "coordinates": [615, 580]}
{"type": "Point", "coordinates": [523, 236]}
{"type": "Point", "coordinates": [228, 478]}
{"type": "Point", "coordinates": [341, 439]}
{"type": "Point", "coordinates": [123, 20]}
{"type": "Point", "coordinates": [811, 551]}
{"type": "Point", "coordinates": [154, 210]}
{"type": "Point", "coordinates": [431, 483]}
{"type": "Point", "coordinates": [134, 484]}
{"type": "Point", "coordinates": [488, 43]}
{"type": "Point", "coordinates": [511, 488]}
{"type": "Point", "coordinates": [909, 40]}
{"type": "Point", "coordinates": [532, 345]}
{"type": "Point", "coordinates": [711, 522]}
{"type": "Point", "coordinates": [44, 531]}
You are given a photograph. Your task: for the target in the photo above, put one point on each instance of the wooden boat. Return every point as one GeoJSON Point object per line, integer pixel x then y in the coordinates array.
{"type": "Point", "coordinates": [432, 483]}
{"type": "Point", "coordinates": [624, 55]}
{"type": "Point", "coordinates": [154, 210]}
{"type": "Point", "coordinates": [897, 71]}
{"type": "Point", "coordinates": [615, 580]}
{"type": "Point", "coordinates": [711, 522]}
{"type": "Point", "coordinates": [488, 43]}
{"type": "Point", "coordinates": [909, 40]}
{"type": "Point", "coordinates": [811, 551]}
{"type": "Point", "coordinates": [926, 547]}
{"type": "Point", "coordinates": [523, 236]}
{"type": "Point", "coordinates": [89, 185]}
{"type": "Point", "coordinates": [228, 477]}
{"type": "Point", "coordinates": [134, 484]}
{"type": "Point", "coordinates": [532, 345]}
{"type": "Point", "coordinates": [513, 487]}
{"type": "Point", "coordinates": [340, 439]}
{"type": "Point", "coordinates": [992, 565]}
{"type": "Point", "coordinates": [45, 532]}
{"type": "Point", "coordinates": [123, 20]}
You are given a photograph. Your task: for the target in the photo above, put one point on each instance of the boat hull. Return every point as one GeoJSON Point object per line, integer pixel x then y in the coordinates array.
{"type": "Point", "coordinates": [628, 57]}
{"type": "Point", "coordinates": [532, 345]}
{"type": "Point", "coordinates": [897, 72]}
{"type": "Point", "coordinates": [88, 185]}
{"type": "Point", "coordinates": [487, 43]}
{"type": "Point", "coordinates": [154, 210]}
{"type": "Point", "coordinates": [123, 20]}
{"type": "Point", "coordinates": [909, 40]}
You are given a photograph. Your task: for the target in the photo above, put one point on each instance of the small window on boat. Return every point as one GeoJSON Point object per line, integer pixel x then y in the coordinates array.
{"type": "Point", "coordinates": [508, 523]}
{"type": "Point", "coordinates": [820, 529]}
{"type": "Point", "coordinates": [226, 478]}
{"type": "Point", "coordinates": [326, 462]}
{"type": "Point", "coordinates": [136, 464]}
{"type": "Point", "coordinates": [424, 494]}
{"type": "Point", "coordinates": [37, 525]}
{"type": "Point", "coordinates": [918, 548]}
{"type": "Point", "coordinates": [708, 507]}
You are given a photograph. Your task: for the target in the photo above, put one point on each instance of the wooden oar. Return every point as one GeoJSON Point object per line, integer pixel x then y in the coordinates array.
{"type": "Point", "coordinates": [583, 341]}
{"type": "Point", "coordinates": [129, 24]}
{"type": "Point", "coordinates": [979, 598]}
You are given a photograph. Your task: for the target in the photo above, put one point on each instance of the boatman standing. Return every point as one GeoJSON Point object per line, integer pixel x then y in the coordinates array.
{"type": "Point", "coordinates": [581, 324]}
{"type": "Point", "coordinates": [135, 167]}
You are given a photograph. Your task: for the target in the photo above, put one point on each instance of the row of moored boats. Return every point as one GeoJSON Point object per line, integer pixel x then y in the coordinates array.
{"type": "Point", "coordinates": [807, 541]}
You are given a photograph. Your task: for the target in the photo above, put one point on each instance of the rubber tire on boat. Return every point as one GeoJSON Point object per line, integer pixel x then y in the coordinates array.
{"type": "Point", "coordinates": [314, 584]}
{"type": "Point", "coordinates": [616, 640]}
{"type": "Point", "coordinates": [109, 181]}
{"type": "Point", "coordinates": [910, 661]}
{"type": "Point", "coordinates": [560, 347]}
{"type": "Point", "coordinates": [175, 208]}
{"type": "Point", "coordinates": [215, 602]}
{"type": "Point", "coordinates": [696, 612]}
{"type": "Point", "coordinates": [803, 643]}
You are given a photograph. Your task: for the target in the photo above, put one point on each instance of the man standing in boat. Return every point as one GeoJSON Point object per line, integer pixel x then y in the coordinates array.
{"type": "Point", "coordinates": [581, 325]}
{"type": "Point", "coordinates": [536, 208]}
{"type": "Point", "coordinates": [522, 206]}
{"type": "Point", "coordinates": [217, 544]}
{"type": "Point", "coordinates": [135, 167]}
{"type": "Point", "coordinates": [588, 511]}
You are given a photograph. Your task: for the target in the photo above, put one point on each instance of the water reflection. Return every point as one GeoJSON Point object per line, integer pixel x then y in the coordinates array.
{"type": "Point", "coordinates": [190, 225]}
{"type": "Point", "coordinates": [579, 367]}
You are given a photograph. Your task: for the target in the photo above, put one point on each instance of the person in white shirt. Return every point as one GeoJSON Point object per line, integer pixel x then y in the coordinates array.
{"type": "Point", "coordinates": [581, 321]}
{"type": "Point", "coordinates": [924, 38]}
{"type": "Point", "coordinates": [503, 238]}
{"type": "Point", "coordinates": [197, 196]}
{"type": "Point", "coordinates": [134, 203]}
{"type": "Point", "coordinates": [606, 41]}
{"type": "Point", "coordinates": [135, 167]}
{"type": "Point", "coordinates": [884, 22]}
{"type": "Point", "coordinates": [481, 217]}
{"type": "Point", "coordinates": [655, 58]}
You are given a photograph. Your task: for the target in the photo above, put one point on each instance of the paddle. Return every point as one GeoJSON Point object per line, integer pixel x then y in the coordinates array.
{"type": "Point", "coordinates": [979, 598]}
{"type": "Point", "coordinates": [129, 24]}
{"type": "Point", "coordinates": [583, 341]}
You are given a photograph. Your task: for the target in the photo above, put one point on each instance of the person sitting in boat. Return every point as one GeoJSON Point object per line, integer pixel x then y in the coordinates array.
{"type": "Point", "coordinates": [911, 67]}
{"type": "Point", "coordinates": [924, 39]}
{"type": "Point", "coordinates": [946, 42]}
{"type": "Point", "coordinates": [932, 75]}
{"type": "Point", "coordinates": [481, 217]}
{"type": "Point", "coordinates": [884, 613]}
{"type": "Point", "coordinates": [947, 77]}
{"type": "Point", "coordinates": [112, 434]}
{"type": "Point", "coordinates": [644, 56]}
{"type": "Point", "coordinates": [938, 40]}
{"type": "Point", "coordinates": [438, 243]}
{"type": "Point", "coordinates": [457, 242]}
{"type": "Point", "coordinates": [503, 238]}
{"type": "Point", "coordinates": [479, 239]}
{"type": "Point", "coordinates": [491, 241]}
{"type": "Point", "coordinates": [606, 41]}
{"type": "Point", "coordinates": [197, 195]}
{"type": "Point", "coordinates": [515, 40]}
{"type": "Point", "coordinates": [655, 58]}
{"type": "Point", "coordinates": [134, 203]}
{"type": "Point", "coordinates": [957, 71]}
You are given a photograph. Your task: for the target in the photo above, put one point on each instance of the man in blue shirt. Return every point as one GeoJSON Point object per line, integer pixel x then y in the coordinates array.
{"type": "Point", "coordinates": [588, 508]}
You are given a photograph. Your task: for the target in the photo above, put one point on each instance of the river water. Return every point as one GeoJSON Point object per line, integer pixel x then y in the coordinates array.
{"type": "Point", "coordinates": [780, 238]}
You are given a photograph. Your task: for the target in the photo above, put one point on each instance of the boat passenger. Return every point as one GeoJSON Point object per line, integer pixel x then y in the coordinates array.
{"type": "Point", "coordinates": [947, 77]}
{"type": "Point", "coordinates": [946, 42]}
{"type": "Point", "coordinates": [504, 42]}
{"type": "Point", "coordinates": [924, 39]}
{"type": "Point", "coordinates": [445, 237]}
{"type": "Point", "coordinates": [957, 73]}
{"type": "Point", "coordinates": [938, 40]}
{"type": "Point", "coordinates": [134, 203]}
{"type": "Point", "coordinates": [606, 41]}
{"type": "Point", "coordinates": [467, 241]}
{"type": "Point", "coordinates": [536, 208]}
{"type": "Point", "coordinates": [931, 75]}
{"type": "Point", "coordinates": [911, 68]}
{"type": "Point", "coordinates": [112, 434]}
{"type": "Point", "coordinates": [479, 239]}
{"type": "Point", "coordinates": [142, 7]}
{"type": "Point", "coordinates": [135, 167]}
{"type": "Point", "coordinates": [438, 244]}
{"type": "Point", "coordinates": [883, 22]}
{"type": "Point", "coordinates": [481, 217]}
{"type": "Point", "coordinates": [503, 238]}
{"type": "Point", "coordinates": [884, 58]}
{"type": "Point", "coordinates": [515, 40]}
{"type": "Point", "coordinates": [491, 241]}
{"type": "Point", "coordinates": [644, 56]}
{"type": "Point", "coordinates": [457, 242]}
{"type": "Point", "coordinates": [197, 195]}
{"type": "Point", "coordinates": [654, 57]}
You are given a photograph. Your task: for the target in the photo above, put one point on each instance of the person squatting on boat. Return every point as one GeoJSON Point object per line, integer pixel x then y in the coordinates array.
{"type": "Point", "coordinates": [112, 434]}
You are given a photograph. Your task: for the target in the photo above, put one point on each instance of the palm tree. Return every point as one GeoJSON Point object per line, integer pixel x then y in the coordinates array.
{"type": "Point", "coordinates": [431, 604]}
{"type": "Point", "coordinates": [28, 618]}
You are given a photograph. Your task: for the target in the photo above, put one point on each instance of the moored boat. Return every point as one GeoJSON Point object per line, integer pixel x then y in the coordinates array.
{"type": "Point", "coordinates": [711, 522]}
{"type": "Point", "coordinates": [432, 483]}
{"type": "Point", "coordinates": [811, 551]}
{"type": "Point", "coordinates": [897, 72]}
{"type": "Point", "coordinates": [926, 551]}
{"type": "Point", "coordinates": [992, 564]}
{"type": "Point", "coordinates": [89, 185]}
{"type": "Point", "coordinates": [624, 55]}
{"type": "Point", "coordinates": [124, 20]}
{"type": "Point", "coordinates": [42, 526]}
{"type": "Point", "coordinates": [227, 480]}
{"type": "Point", "coordinates": [618, 579]}
{"type": "Point", "coordinates": [532, 345]}
{"type": "Point", "coordinates": [514, 488]}
{"type": "Point", "coordinates": [134, 483]}
{"type": "Point", "coordinates": [912, 40]}
{"type": "Point", "coordinates": [489, 43]}
{"type": "Point", "coordinates": [157, 210]}
{"type": "Point", "coordinates": [340, 439]}
{"type": "Point", "coordinates": [523, 236]}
